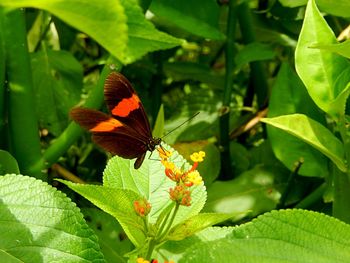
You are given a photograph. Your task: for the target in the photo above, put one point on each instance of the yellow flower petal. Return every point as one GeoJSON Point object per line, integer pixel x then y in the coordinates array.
{"type": "Point", "coordinates": [194, 177]}
{"type": "Point", "coordinates": [198, 156]}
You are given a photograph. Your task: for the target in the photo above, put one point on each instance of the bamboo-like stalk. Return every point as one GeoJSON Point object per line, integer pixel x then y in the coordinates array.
{"type": "Point", "coordinates": [2, 84]}
{"type": "Point", "coordinates": [23, 124]}
{"type": "Point", "coordinates": [258, 78]}
{"type": "Point", "coordinates": [225, 115]}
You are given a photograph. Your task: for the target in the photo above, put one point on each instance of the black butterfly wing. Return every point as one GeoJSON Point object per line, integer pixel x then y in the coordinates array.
{"type": "Point", "coordinates": [125, 105]}
{"type": "Point", "coordinates": [111, 134]}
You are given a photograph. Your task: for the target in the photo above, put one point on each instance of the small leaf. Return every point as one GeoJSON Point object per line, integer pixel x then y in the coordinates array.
{"type": "Point", "coordinates": [158, 130]}
{"type": "Point", "coordinates": [40, 224]}
{"type": "Point", "coordinates": [253, 52]}
{"type": "Point", "coordinates": [342, 48]}
{"type": "Point", "coordinates": [313, 67]}
{"type": "Point", "coordinates": [279, 236]}
{"type": "Point", "coordinates": [313, 133]}
{"type": "Point", "coordinates": [116, 202]}
{"type": "Point", "coordinates": [196, 224]}
{"type": "Point", "coordinates": [8, 163]}
{"type": "Point", "coordinates": [143, 36]}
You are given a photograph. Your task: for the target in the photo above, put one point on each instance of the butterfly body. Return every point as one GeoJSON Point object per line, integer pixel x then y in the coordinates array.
{"type": "Point", "coordinates": [127, 131]}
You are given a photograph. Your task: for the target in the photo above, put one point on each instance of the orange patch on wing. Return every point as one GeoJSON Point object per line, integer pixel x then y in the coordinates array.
{"type": "Point", "coordinates": [125, 106]}
{"type": "Point", "coordinates": [106, 126]}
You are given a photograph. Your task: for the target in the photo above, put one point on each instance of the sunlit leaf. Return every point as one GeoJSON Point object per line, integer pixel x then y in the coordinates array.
{"type": "Point", "coordinates": [40, 224]}
{"type": "Point", "coordinates": [320, 69]}
{"type": "Point", "coordinates": [313, 133]}
{"type": "Point", "coordinates": [279, 236]}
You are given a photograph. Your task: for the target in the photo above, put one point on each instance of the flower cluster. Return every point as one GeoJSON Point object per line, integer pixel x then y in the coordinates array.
{"type": "Point", "coordinates": [142, 207]}
{"type": "Point", "coordinates": [141, 260]}
{"type": "Point", "coordinates": [184, 178]}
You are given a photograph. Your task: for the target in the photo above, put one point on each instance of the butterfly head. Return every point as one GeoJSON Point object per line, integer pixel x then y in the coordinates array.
{"type": "Point", "coordinates": [153, 142]}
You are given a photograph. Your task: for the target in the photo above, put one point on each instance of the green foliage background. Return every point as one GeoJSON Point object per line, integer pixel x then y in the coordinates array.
{"type": "Point", "coordinates": [270, 80]}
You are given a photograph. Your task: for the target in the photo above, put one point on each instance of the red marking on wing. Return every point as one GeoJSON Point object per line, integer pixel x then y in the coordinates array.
{"type": "Point", "coordinates": [125, 106]}
{"type": "Point", "coordinates": [107, 126]}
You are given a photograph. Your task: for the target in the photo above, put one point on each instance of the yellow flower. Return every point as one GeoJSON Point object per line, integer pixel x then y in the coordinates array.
{"type": "Point", "coordinates": [198, 156]}
{"type": "Point", "coordinates": [163, 154]}
{"type": "Point", "coordinates": [194, 177]}
{"type": "Point", "coordinates": [141, 260]}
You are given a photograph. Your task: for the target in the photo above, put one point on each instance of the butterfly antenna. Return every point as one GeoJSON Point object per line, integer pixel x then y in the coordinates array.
{"type": "Point", "coordinates": [181, 124]}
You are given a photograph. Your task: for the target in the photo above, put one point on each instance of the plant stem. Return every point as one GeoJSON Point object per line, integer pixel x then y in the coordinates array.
{"type": "Point", "coordinates": [2, 84]}
{"type": "Point", "coordinates": [73, 131]}
{"type": "Point", "coordinates": [23, 124]}
{"type": "Point", "coordinates": [226, 168]}
{"type": "Point", "coordinates": [157, 85]}
{"type": "Point", "coordinates": [293, 173]}
{"type": "Point", "coordinates": [341, 180]}
{"type": "Point", "coordinates": [152, 244]}
{"type": "Point", "coordinates": [312, 198]}
{"type": "Point", "coordinates": [165, 232]}
{"type": "Point", "coordinates": [258, 78]}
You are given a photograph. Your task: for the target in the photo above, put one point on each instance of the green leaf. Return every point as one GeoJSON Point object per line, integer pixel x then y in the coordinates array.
{"type": "Point", "coordinates": [337, 8]}
{"type": "Point", "coordinates": [174, 249]}
{"type": "Point", "coordinates": [151, 182]}
{"type": "Point", "coordinates": [143, 36]}
{"type": "Point", "coordinates": [158, 130]}
{"type": "Point", "coordinates": [320, 69]}
{"type": "Point", "coordinates": [116, 202]}
{"type": "Point", "coordinates": [279, 236]}
{"type": "Point", "coordinates": [342, 48]}
{"type": "Point", "coordinates": [203, 22]}
{"type": "Point", "coordinates": [251, 193]}
{"type": "Point", "coordinates": [196, 224]}
{"type": "Point", "coordinates": [106, 23]}
{"type": "Point", "coordinates": [253, 52]}
{"type": "Point", "coordinates": [290, 96]}
{"type": "Point", "coordinates": [112, 239]}
{"type": "Point", "coordinates": [58, 80]}
{"type": "Point", "coordinates": [40, 224]}
{"type": "Point", "coordinates": [313, 133]}
{"type": "Point", "coordinates": [8, 163]}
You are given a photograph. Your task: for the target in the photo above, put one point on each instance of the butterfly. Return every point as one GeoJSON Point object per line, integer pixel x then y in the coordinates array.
{"type": "Point", "coordinates": [126, 132]}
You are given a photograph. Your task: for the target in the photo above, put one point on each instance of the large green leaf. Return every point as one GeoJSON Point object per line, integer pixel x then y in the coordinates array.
{"type": "Point", "coordinates": [199, 18]}
{"type": "Point", "coordinates": [143, 36]}
{"type": "Point", "coordinates": [251, 193]}
{"type": "Point", "coordinates": [116, 202]}
{"type": "Point", "coordinates": [290, 96]}
{"type": "Point", "coordinates": [320, 69]}
{"type": "Point", "coordinates": [151, 182]}
{"type": "Point", "coordinates": [106, 22]}
{"type": "Point", "coordinates": [279, 236]}
{"type": "Point", "coordinates": [40, 224]}
{"type": "Point", "coordinates": [313, 133]}
{"type": "Point", "coordinates": [334, 7]}
{"type": "Point", "coordinates": [58, 80]}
